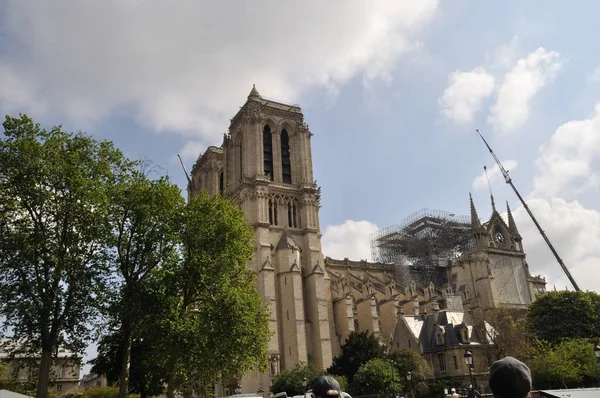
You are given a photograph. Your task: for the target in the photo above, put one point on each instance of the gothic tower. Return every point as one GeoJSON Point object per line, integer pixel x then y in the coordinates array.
{"type": "Point", "coordinates": [495, 273]}
{"type": "Point", "coordinates": [265, 166]}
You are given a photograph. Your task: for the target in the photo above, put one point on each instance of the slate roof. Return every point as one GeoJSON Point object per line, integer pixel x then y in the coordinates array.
{"type": "Point", "coordinates": [450, 322]}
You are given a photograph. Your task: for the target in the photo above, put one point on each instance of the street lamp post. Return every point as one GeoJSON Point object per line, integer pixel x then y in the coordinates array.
{"type": "Point", "coordinates": [469, 361]}
{"type": "Point", "coordinates": [408, 378]}
{"type": "Point", "coordinates": [304, 384]}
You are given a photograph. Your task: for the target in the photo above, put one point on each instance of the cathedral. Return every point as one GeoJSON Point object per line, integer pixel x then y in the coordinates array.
{"type": "Point", "coordinates": [265, 166]}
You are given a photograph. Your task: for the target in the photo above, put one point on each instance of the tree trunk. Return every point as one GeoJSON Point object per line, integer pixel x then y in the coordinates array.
{"type": "Point", "coordinates": [171, 379]}
{"type": "Point", "coordinates": [125, 358]}
{"type": "Point", "coordinates": [44, 374]}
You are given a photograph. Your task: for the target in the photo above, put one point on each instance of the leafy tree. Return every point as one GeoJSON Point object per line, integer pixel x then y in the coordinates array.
{"type": "Point", "coordinates": [54, 203]}
{"type": "Point", "coordinates": [508, 335]}
{"type": "Point", "coordinates": [561, 315]}
{"type": "Point", "coordinates": [405, 361]}
{"type": "Point", "coordinates": [290, 380]}
{"type": "Point", "coordinates": [143, 220]}
{"type": "Point", "coordinates": [358, 349]}
{"type": "Point", "coordinates": [568, 363]}
{"type": "Point", "coordinates": [146, 372]}
{"type": "Point", "coordinates": [215, 324]}
{"type": "Point", "coordinates": [377, 376]}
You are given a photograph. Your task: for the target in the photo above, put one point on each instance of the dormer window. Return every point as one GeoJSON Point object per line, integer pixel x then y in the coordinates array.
{"type": "Point", "coordinates": [463, 331]}
{"type": "Point", "coordinates": [439, 336]}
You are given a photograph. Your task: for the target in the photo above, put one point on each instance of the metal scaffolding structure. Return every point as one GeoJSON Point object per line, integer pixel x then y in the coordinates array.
{"type": "Point", "coordinates": [423, 245]}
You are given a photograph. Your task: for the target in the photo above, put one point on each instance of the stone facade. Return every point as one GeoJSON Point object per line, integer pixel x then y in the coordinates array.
{"type": "Point", "coordinates": [265, 165]}
{"type": "Point", "coordinates": [64, 373]}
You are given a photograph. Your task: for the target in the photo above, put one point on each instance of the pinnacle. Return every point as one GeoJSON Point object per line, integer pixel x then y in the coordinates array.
{"type": "Point", "coordinates": [254, 93]}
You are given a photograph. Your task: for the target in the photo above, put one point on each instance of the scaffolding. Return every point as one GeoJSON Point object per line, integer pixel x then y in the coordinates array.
{"type": "Point", "coordinates": [423, 245]}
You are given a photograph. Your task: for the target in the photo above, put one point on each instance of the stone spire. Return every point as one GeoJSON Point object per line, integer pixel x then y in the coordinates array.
{"type": "Point", "coordinates": [493, 203]}
{"type": "Point", "coordinates": [512, 226]}
{"type": "Point", "coordinates": [479, 232]}
{"type": "Point", "coordinates": [254, 95]}
{"type": "Point", "coordinates": [475, 224]}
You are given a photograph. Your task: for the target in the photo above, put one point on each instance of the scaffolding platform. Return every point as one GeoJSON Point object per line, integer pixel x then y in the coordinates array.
{"type": "Point", "coordinates": [423, 245]}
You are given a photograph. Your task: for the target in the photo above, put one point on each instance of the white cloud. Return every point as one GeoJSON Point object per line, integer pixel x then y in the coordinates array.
{"type": "Point", "coordinates": [566, 164]}
{"type": "Point", "coordinates": [520, 86]}
{"type": "Point", "coordinates": [595, 76]}
{"type": "Point", "coordinates": [465, 93]}
{"type": "Point", "coordinates": [575, 233]}
{"type": "Point", "coordinates": [348, 240]}
{"type": "Point", "coordinates": [505, 55]}
{"type": "Point", "coordinates": [494, 174]}
{"type": "Point", "coordinates": [192, 150]}
{"type": "Point", "coordinates": [185, 67]}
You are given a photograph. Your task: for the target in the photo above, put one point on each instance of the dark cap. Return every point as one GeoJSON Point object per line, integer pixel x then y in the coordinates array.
{"type": "Point", "coordinates": [326, 386]}
{"type": "Point", "coordinates": [510, 377]}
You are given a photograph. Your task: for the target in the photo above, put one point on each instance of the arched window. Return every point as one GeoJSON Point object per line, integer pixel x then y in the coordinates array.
{"type": "Point", "coordinates": [240, 156]}
{"type": "Point", "coordinates": [286, 166]}
{"type": "Point", "coordinates": [273, 212]}
{"type": "Point", "coordinates": [268, 151]}
{"type": "Point", "coordinates": [293, 214]}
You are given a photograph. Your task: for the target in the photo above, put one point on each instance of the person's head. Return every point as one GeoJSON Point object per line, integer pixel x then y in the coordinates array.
{"type": "Point", "coordinates": [453, 390]}
{"type": "Point", "coordinates": [510, 378]}
{"type": "Point", "coordinates": [326, 387]}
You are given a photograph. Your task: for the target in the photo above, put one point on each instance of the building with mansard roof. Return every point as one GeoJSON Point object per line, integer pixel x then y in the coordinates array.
{"type": "Point", "coordinates": [264, 165]}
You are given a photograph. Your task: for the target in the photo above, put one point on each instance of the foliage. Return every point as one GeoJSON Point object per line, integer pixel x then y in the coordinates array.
{"type": "Point", "coordinates": [508, 336]}
{"type": "Point", "coordinates": [210, 294]}
{"type": "Point", "coordinates": [561, 315]}
{"type": "Point", "coordinates": [4, 379]}
{"type": "Point", "coordinates": [342, 381]}
{"type": "Point", "coordinates": [146, 372]}
{"type": "Point", "coordinates": [290, 380]}
{"type": "Point", "coordinates": [435, 388]}
{"type": "Point", "coordinates": [54, 202]}
{"type": "Point", "coordinates": [98, 392]}
{"type": "Point", "coordinates": [358, 349]}
{"type": "Point", "coordinates": [568, 363]}
{"type": "Point", "coordinates": [377, 376]}
{"type": "Point", "coordinates": [143, 222]}
{"type": "Point", "coordinates": [405, 361]}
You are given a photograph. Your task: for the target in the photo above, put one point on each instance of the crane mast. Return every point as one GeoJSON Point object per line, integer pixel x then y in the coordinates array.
{"type": "Point", "coordinates": [509, 182]}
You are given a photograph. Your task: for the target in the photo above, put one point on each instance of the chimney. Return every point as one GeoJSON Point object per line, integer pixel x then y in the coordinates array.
{"type": "Point", "coordinates": [416, 308]}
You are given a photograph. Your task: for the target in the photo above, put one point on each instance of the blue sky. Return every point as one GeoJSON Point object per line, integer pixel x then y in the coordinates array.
{"type": "Point", "coordinates": [392, 90]}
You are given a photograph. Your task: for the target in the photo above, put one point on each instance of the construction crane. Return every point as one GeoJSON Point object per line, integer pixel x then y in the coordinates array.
{"type": "Point", "coordinates": [509, 182]}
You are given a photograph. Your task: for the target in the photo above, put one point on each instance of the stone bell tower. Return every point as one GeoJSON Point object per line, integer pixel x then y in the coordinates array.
{"type": "Point", "coordinates": [265, 166]}
{"type": "Point", "coordinates": [495, 273]}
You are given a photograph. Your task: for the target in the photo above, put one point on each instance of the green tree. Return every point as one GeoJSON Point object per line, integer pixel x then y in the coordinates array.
{"type": "Point", "coordinates": [377, 376]}
{"type": "Point", "coordinates": [405, 361]}
{"type": "Point", "coordinates": [508, 335]}
{"type": "Point", "coordinates": [561, 315]}
{"type": "Point", "coordinates": [146, 373]}
{"type": "Point", "coordinates": [290, 380]}
{"type": "Point", "coordinates": [54, 202]}
{"type": "Point", "coordinates": [568, 363]}
{"type": "Point", "coordinates": [358, 349]}
{"type": "Point", "coordinates": [144, 236]}
{"type": "Point", "coordinates": [216, 325]}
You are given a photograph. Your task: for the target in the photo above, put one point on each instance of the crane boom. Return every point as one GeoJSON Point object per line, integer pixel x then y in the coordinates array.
{"type": "Point", "coordinates": [509, 182]}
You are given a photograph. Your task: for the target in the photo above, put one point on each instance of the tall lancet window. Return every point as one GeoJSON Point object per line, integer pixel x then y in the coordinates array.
{"type": "Point", "coordinates": [221, 182]}
{"type": "Point", "coordinates": [241, 160]}
{"type": "Point", "coordinates": [293, 214]}
{"type": "Point", "coordinates": [286, 166]}
{"type": "Point", "coordinates": [268, 151]}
